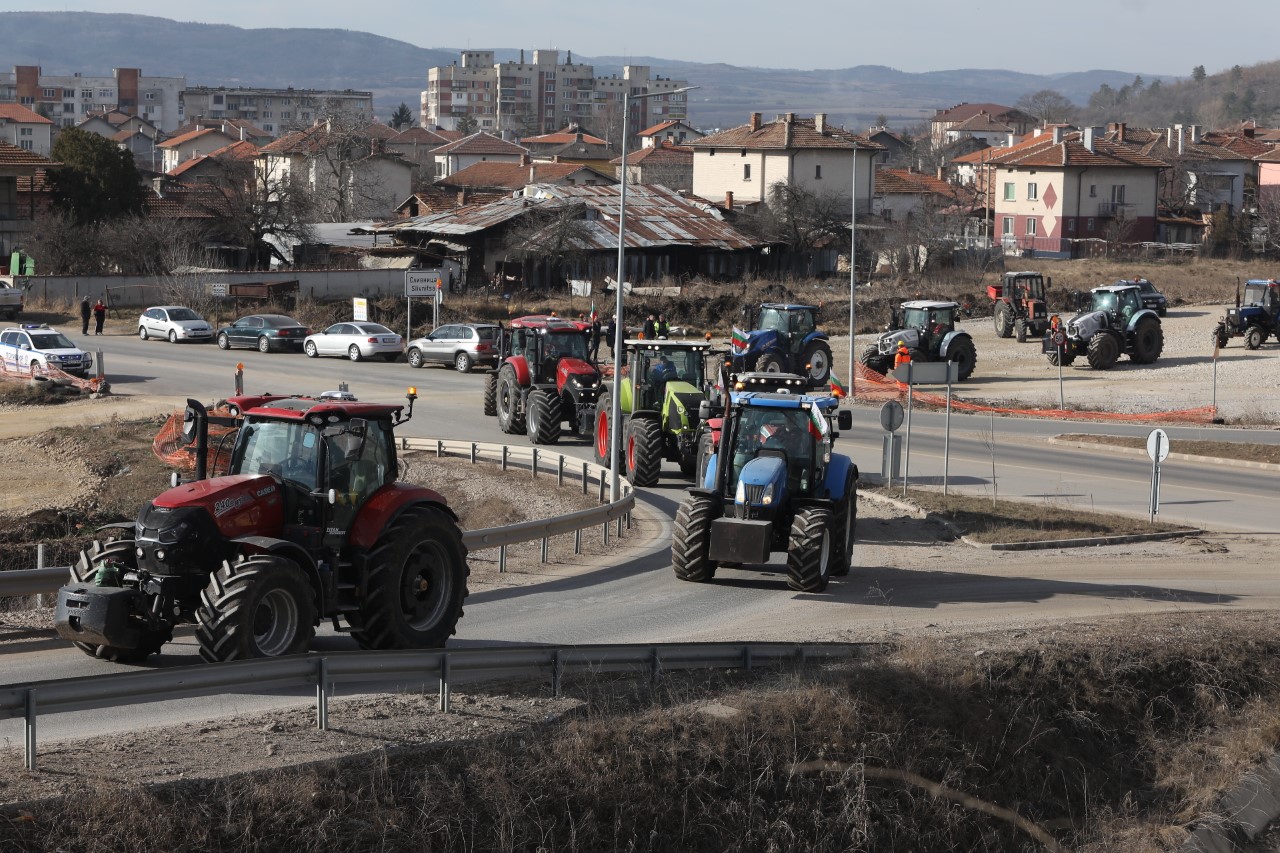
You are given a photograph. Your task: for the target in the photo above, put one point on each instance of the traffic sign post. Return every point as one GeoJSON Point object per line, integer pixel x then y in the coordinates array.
{"type": "Point", "coordinates": [1060, 341]}
{"type": "Point", "coordinates": [891, 415]}
{"type": "Point", "coordinates": [422, 283]}
{"type": "Point", "coordinates": [927, 373]}
{"type": "Point", "coordinates": [1158, 450]}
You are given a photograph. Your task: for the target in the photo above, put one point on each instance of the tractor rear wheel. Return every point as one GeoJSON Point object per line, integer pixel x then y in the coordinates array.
{"type": "Point", "coordinates": [542, 422]}
{"type": "Point", "coordinates": [809, 552]}
{"type": "Point", "coordinates": [1253, 337]}
{"type": "Point", "coordinates": [1148, 341]}
{"type": "Point", "coordinates": [83, 571]}
{"type": "Point", "coordinates": [259, 606]}
{"type": "Point", "coordinates": [771, 363]}
{"type": "Point", "coordinates": [871, 358]}
{"type": "Point", "coordinates": [1103, 351]}
{"type": "Point", "coordinates": [417, 583]}
{"type": "Point", "coordinates": [490, 393]}
{"type": "Point", "coordinates": [601, 438]}
{"type": "Point", "coordinates": [644, 451]}
{"type": "Point", "coordinates": [1003, 319]}
{"type": "Point", "coordinates": [691, 539]}
{"type": "Point", "coordinates": [964, 354]}
{"type": "Point", "coordinates": [845, 527]}
{"type": "Point", "coordinates": [510, 418]}
{"type": "Point", "coordinates": [817, 361]}
{"type": "Point", "coordinates": [1020, 330]}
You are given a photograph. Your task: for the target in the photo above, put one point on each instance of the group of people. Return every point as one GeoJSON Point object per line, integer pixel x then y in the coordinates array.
{"type": "Point", "coordinates": [99, 312]}
{"type": "Point", "coordinates": [655, 328]}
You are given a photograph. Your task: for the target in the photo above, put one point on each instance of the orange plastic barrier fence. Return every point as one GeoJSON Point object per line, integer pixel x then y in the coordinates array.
{"type": "Point", "coordinates": [91, 385]}
{"type": "Point", "coordinates": [171, 447]}
{"type": "Point", "coordinates": [870, 385]}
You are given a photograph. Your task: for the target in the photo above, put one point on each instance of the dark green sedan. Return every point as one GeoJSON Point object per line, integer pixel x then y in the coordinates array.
{"type": "Point", "coordinates": [264, 332]}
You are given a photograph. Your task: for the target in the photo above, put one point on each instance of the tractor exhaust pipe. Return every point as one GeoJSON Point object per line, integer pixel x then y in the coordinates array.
{"type": "Point", "coordinates": [195, 427]}
{"type": "Point", "coordinates": [1237, 291]}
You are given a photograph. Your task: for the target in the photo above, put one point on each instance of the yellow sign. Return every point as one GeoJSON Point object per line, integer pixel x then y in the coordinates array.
{"type": "Point", "coordinates": [360, 309]}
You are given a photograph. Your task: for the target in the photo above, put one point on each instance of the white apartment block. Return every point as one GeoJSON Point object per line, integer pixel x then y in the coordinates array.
{"type": "Point", "coordinates": [521, 99]}
{"type": "Point", "coordinates": [276, 111]}
{"type": "Point", "coordinates": [68, 99]}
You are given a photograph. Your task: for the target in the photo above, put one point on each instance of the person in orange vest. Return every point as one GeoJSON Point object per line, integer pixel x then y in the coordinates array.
{"type": "Point", "coordinates": [903, 356]}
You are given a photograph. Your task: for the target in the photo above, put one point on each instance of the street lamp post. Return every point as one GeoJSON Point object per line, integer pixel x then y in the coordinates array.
{"type": "Point", "coordinates": [853, 269]}
{"type": "Point", "coordinates": [620, 333]}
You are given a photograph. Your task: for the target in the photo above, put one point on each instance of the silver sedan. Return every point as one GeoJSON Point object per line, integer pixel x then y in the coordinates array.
{"type": "Point", "coordinates": [356, 341]}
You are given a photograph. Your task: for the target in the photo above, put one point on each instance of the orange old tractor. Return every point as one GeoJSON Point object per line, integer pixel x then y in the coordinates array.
{"type": "Point", "coordinates": [546, 379]}
{"type": "Point", "coordinates": [1020, 308]}
{"type": "Point", "coordinates": [308, 523]}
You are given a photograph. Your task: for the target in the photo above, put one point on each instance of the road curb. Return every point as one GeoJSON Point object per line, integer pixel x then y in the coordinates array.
{"type": "Point", "coordinates": [1181, 457]}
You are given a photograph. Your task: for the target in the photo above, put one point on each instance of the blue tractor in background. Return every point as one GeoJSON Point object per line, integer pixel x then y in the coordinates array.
{"type": "Point", "coordinates": [771, 484]}
{"type": "Point", "coordinates": [783, 338]}
{"type": "Point", "coordinates": [1256, 318]}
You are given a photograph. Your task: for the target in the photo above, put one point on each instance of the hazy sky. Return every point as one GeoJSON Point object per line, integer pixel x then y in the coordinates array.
{"type": "Point", "coordinates": [1147, 36]}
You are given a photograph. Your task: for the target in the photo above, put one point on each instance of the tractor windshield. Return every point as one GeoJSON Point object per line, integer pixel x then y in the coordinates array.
{"type": "Point", "coordinates": [915, 318]}
{"type": "Point", "coordinates": [284, 449]}
{"type": "Point", "coordinates": [565, 345]}
{"type": "Point", "coordinates": [1033, 285]}
{"type": "Point", "coordinates": [1255, 294]}
{"type": "Point", "coordinates": [794, 321]}
{"type": "Point", "coordinates": [1105, 300]}
{"type": "Point", "coordinates": [659, 366]}
{"type": "Point", "coordinates": [768, 431]}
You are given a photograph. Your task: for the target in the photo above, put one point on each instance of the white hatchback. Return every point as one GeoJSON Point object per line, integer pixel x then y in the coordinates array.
{"type": "Point", "coordinates": [173, 323]}
{"type": "Point", "coordinates": [356, 341]}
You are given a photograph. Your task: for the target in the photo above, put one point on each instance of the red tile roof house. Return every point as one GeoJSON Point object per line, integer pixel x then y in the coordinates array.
{"type": "Point", "coordinates": [16, 220]}
{"type": "Point", "coordinates": [211, 167]}
{"type": "Point", "coordinates": [516, 176]}
{"type": "Point", "coordinates": [1268, 177]}
{"type": "Point", "coordinates": [1053, 190]}
{"type": "Point", "coordinates": [666, 164]}
{"type": "Point", "coordinates": [673, 132]}
{"type": "Point", "coordinates": [365, 182]}
{"type": "Point", "coordinates": [477, 148]}
{"type": "Point", "coordinates": [195, 143]}
{"type": "Point", "coordinates": [945, 120]}
{"type": "Point", "coordinates": [25, 129]}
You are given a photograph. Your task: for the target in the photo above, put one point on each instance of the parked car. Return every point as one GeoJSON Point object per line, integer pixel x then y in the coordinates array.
{"type": "Point", "coordinates": [1151, 297]}
{"type": "Point", "coordinates": [174, 323]}
{"type": "Point", "coordinates": [265, 332]}
{"type": "Point", "coordinates": [34, 347]}
{"type": "Point", "coordinates": [464, 345]}
{"type": "Point", "coordinates": [355, 341]}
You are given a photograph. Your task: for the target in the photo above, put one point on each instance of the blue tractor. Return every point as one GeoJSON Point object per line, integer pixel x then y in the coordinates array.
{"type": "Point", "coordinates": [771, 484]}
{"type": "Point", "coordinates": [1255, 319]}
{"type": "Point", "coordinates": [783, 338]}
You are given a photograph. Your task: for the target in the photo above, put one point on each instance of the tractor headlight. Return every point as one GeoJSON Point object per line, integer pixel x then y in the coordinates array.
{"type": "Point", "coordinates": [740, 496]}
{"type": "Point", "coordinates": [173, 535]}
{"type": "Point", "coordinates": [766, 497]}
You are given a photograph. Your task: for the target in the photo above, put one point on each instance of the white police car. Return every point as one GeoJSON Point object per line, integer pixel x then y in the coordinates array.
{"type": "Point", "coordinates": [34, 348]}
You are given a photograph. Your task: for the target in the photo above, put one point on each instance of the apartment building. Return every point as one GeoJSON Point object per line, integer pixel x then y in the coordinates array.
{"type": "Point", "coordinates": [276, 111]}
{"type": "Point", "coordinates": [518, 99]}
{"type": "Point", "coordinates": [68, 99]}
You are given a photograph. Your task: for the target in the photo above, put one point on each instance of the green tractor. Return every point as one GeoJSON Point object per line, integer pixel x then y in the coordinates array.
{"type": "Point", "coordinates": [663, 385]}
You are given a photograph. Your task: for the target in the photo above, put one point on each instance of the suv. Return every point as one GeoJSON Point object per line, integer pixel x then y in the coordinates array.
{"type": "Point", "coordinates": [1151, 298]}
{"type": "Point", "coordinates": [34, 348]}
{"type": "Point", "coordinates": [463, 345]}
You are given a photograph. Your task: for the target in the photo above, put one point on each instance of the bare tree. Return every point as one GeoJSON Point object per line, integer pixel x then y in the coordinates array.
{"type": "Point", "coordinates": [555, 238]}
{"type": "Point", "coordinates": [65, 248]}
{"type": "Point", "coordinates": [1048, 105]}
{"type": "Point", "coordinates": [1268, 223]}
{"type": "Point", "coordinates": [260, 210]}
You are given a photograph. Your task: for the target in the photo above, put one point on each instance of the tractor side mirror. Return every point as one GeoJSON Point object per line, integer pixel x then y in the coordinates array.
{"type": "Point", "coordinates": [844, 420]}
{"type": "Point", "coordinates": [358, 426]}
{"type": "Point", "coordinates": [704, 410]}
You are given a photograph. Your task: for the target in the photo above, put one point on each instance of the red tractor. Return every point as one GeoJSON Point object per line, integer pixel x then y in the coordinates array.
{"type": "Point", "coordinates": [1020, 308]}
{"type": "Point", "coordinates": [308, 523]}
{"type": "Point", "coordinates": [546, 379]}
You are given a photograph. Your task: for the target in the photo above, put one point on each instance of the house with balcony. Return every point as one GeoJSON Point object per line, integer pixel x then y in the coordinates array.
{"type": "Point", "coordinates": [742, 164]}
{"type": "Point", "coordinates": [479, 147]}
{"type": "Point", "coordinates": [1055, 189]}
{"type": "Point", "coordinates": [18, 165]}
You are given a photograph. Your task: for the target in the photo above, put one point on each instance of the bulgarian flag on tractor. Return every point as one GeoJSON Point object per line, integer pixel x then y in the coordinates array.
{"type": "Point", "coordinates": [818, 426]}
{"type": "Point", "coordinates": [738, 340]}
{"type": "Point", "coordinates": [838, 388]}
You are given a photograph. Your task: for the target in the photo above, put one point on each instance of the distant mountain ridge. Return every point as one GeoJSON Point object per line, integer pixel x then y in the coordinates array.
{"type": "Point", "coordinates": [93, 43]}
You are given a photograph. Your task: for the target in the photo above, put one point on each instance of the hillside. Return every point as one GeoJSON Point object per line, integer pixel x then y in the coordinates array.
{"type": "Point", "coordinates": [215, 54]}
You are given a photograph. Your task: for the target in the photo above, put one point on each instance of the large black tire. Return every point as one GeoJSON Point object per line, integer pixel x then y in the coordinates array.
{"type": "Point", "coordinates": [817, 357]}
{"type": "Point", "coordinates": [771, 363]}
{"type": "Point", "coordinates": [600, 438]}
{"type": "Point", "coordinates": [1220, 336]}
{"type": "Point", "coordinates": [256, 607]}
{"type": "Point", "coordinates": [691, 539]}
{"type": "Point", "coordinates": [542, 422]}
{"type": "Point", "coordinates": [644, 451]}
{"type": "Point", "coordinates": [809, 551]}
{"type": "Point", "coordinates": [1020, 330]}
{"type": "Point", "coordinates": [1067, 357]}
{"type": "Point", "coordinates": [964, 354]}
{"type": "Point", "coordinates": [510, 418]}
{"type": "Point", "coordinates": [1253, 337]}
{"type": "Point", "coordinates": [490, 393]}
{"type": "Point", "coordinates": [871, 358]}
{"type": "Point", "coordinates": [844, 529]}
{"type": "Point", "coordinates": [417, 583]}
{"type": "Point", "coordinates": [1148, 341]}
{"type": "Point", "coordinates": [1003, 319]}
{"type": "Point", "coordinates": [82, 571]}
{"type": "Point", "coordinates": [1103, 351]}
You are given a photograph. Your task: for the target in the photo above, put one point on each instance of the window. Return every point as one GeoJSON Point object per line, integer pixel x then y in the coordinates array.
{"type": "Point", "coordinates": [1071, 226]}
{"type": "Point", "coordinates": [1033, 191]}
{"type": "Point", "coordinates": [1010, 191]}
{"type": "Point", "coordinates": [27, 144]}
{"type": "Point", "coordinates": [149, 96]}
{"type": "Point", "coordinates": [266, 113]}
{"type": "Point", "coordinates": [1090, 224]}
{"type": "Point", "coordinates": [217, 99]}
{"type": "Point", "coordinates": [746, 171]}
{"type": "Point", "coordinates": [68, 108]}
{"type": "Point", "coordinates": [1031, 228]}
{"type": "Point", "coordinates": [1117, 194]}
{"type": "Point", "coordinates": [817, 172]}
{"type": "Point", "coordinates": [1006, 226]}
{"type": "Point", "coordinates": [86, 94]}
{"type": "Point", "coordinates": [1093, 190]}
{"type": "Point", "coordinates": [68, 93]}
{"type": "Point", "coordinates": [106, 93]}
{"type": "Point", "coordinates": [24, 131]}
{"type": "Point", "coordinates": [49, 93]}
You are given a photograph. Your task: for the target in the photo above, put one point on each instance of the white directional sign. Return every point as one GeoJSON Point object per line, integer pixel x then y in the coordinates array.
{"type": "Point", "coordinates": [927, 372]}
{"type": "Point", "coordinates": [1158, 445]}
{"type": "Point", "coordinates": [424, 283]}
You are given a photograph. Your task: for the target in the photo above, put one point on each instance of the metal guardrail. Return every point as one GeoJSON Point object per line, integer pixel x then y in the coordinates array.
{"type": "Point", "coordinates": [539, 462]}
{"type": "Point", "coordinates": [440, 665]}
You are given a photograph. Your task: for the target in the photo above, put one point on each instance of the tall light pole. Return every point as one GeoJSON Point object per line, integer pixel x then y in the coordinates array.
{"type": "Point", "coordinates": [853, 268]}
{"type": "Point", "coordinates": [620, 333]}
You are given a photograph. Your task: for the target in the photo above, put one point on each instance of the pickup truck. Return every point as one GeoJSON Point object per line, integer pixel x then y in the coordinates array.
{"type": "Point", "coordinates": [12, 290]}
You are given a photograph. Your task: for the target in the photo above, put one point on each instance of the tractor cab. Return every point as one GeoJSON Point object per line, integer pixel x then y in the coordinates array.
{"type": "Point", "coordinates": [657, 364]}
{"type": "Point", "coordinates": [543, 341]}
{"type": "Point", "coordinates": [1120, 302]}
{"type": "Point", "coordinates": [792, 323]}
{"type": "Point", "coordinates": [1264, 293]}
{"type": "Point", "coordinates": [933, 320]}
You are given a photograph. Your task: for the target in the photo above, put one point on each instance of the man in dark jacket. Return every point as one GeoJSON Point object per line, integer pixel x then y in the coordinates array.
{"type": "Point", "coordinates": [611, 333]}
{"type": "Point", "coordinates": [596, 334]}
{"type": "Point", "coordinates": [85, 310]}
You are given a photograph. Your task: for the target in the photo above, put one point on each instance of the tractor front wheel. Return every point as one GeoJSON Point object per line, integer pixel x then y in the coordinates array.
{"type": "Point", "coordinates": [1103, 351]}
{"type": "Point", "coordinates": [771, 363]}
{"type": "Point", "coordinates": [602, 439]}
{"type": "Point", "coordinates": [964, 354]}
{"type": "Point", "coordinates": [510, 418]}
{"type": "Point", "coordinates": [1254, 337]}
{"type": "Point", "coordinates": [543, 419]}
{"type": "Point", "coordinates": [259, 606]}
{"type": "Point", "coordinates": [490, 389]}
{"type": "Point", "coordinates": [416, 585]}
{"type": "Point", "coordinates": [644, 451]}
{"type": "Point", "coordinates": [872, 359]}
{"type": "Point", "coordinates": [817, 363]}
{"type": "Point", "coordinates": [691, 539]}
{"type": "Point", "coordinates": [1020, 330]}
{"type": "Point", "coordinates": [1065, 355]}
{"type": "Point", "coordinates": [846, 522]}
{"type": "Point", "coordinates": [84, 570]}
{"type": "Point", "coordinates": [1148, 341]}
{"type": "Point", "coordinates": [809, 551]}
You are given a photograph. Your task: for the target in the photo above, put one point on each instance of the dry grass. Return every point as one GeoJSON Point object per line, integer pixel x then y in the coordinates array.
{"type": "Point", "coordinates": [983, 520]}
{"type": "Point", "coordinates": [1107, 737]}
{"type": "Point", "coordinates": [1269, 453]}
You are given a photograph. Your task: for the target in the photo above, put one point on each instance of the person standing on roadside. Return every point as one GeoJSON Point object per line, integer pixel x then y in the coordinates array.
{"type": "Point", "coordinates": [596, 334]}
{"type": "Point", "coordinates": [662, 330]}
{"type": "Point", "coordinates": [650, 330]}
{"type": "Point", "coordinates": [85, 311]}
{"type": "Point", "coordinates": [611, 333]}
{"type": "Point", "coordinates": [99, 316]}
